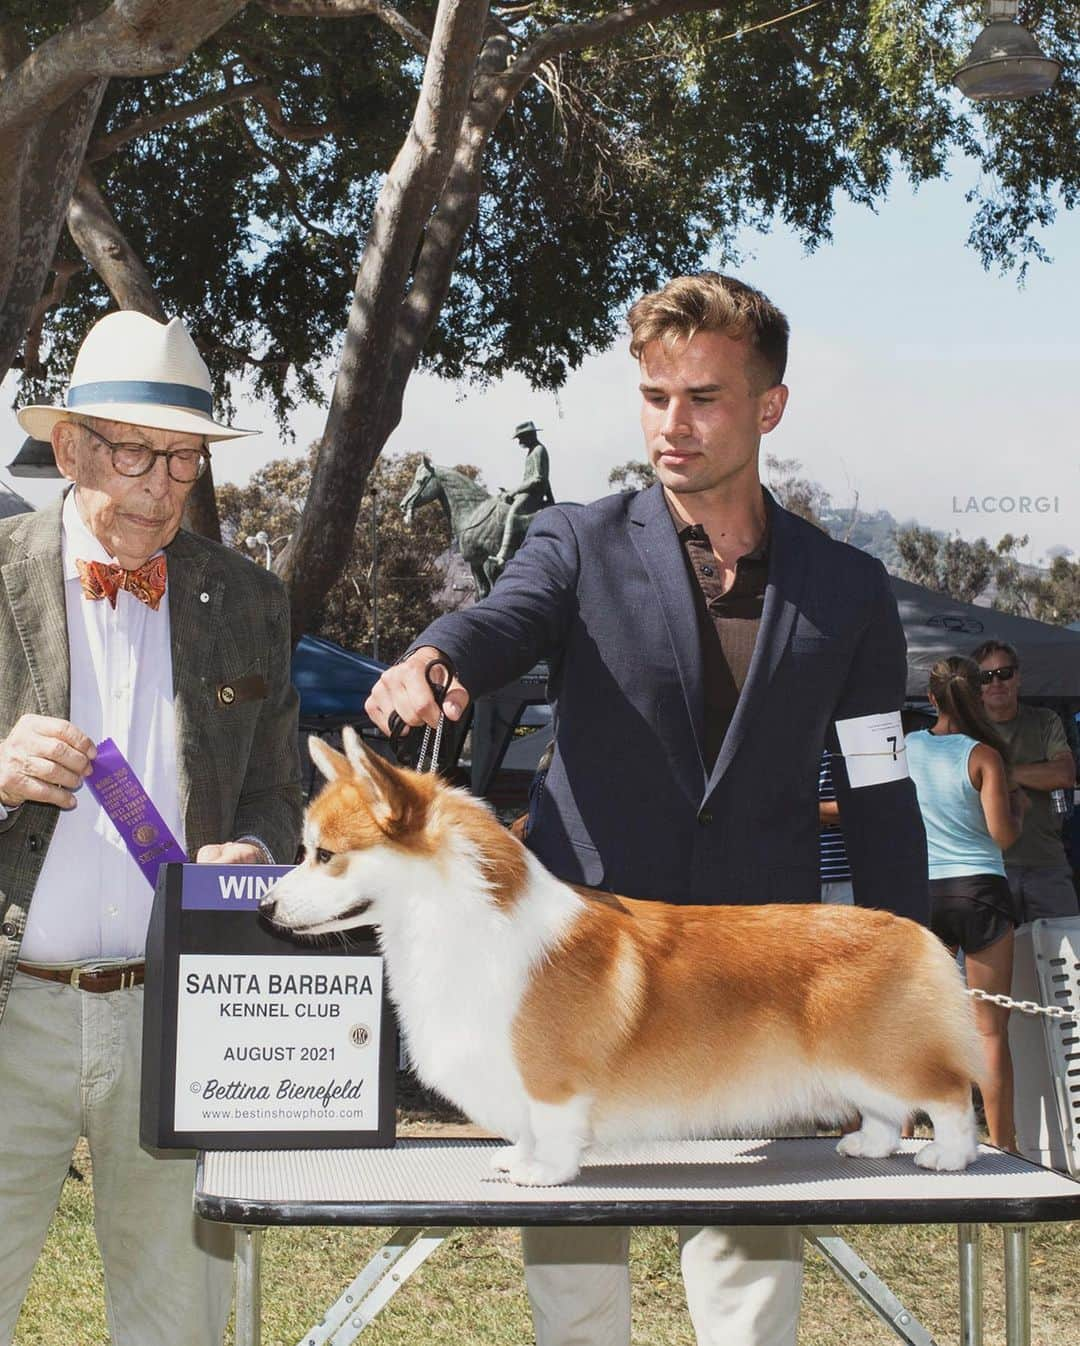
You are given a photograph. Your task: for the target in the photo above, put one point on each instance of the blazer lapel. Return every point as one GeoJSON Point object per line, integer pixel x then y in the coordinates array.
{"type": "Point", "coordinates": [196, 592]}
{"type": "Point", "coordinates": [786, 573]}
{"type": "Point", "coordinates": [653, 535]}
{"type": "Point", "coordinates": [34, 586]}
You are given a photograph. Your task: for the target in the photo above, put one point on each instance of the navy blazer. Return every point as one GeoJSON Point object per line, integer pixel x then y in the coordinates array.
{"type": "Point", "coordinates": [602, 592]}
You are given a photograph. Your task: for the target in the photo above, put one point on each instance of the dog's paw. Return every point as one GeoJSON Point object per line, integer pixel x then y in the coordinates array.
{"type": "Point", "coordinates": [541, 1173]}
{"type": "Point", "coordinates": [502, 1161]}
{"type": "Point", "coordinates": [946, 1158]}
{"type": "Point", "coordinates": [861, 1145]}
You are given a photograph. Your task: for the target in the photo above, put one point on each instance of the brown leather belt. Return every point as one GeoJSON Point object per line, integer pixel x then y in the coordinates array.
{"type": "Point", "coordinates": [95, 979]}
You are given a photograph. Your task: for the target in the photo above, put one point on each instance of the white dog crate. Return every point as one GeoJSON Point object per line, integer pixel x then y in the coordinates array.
{"type": "Point", "coordinates": [1046, 1052]}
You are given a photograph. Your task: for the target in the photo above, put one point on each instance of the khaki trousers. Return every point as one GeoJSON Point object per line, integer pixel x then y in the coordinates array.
{"type": "Point", "coordinates": [70, 1066]}
{"type": "Point", "coordinates": [743, 1284]}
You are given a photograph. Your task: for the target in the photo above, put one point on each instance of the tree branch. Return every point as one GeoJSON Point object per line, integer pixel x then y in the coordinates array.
{"type": "Point", "coordinates": [302, 132]}
{"type": "Point", "coordinates": [564, 37]}
{"type": "Point", "coordinates": [62, 274]}
{"type": "Point", "coordinates": [349, 9]}
{"type": "Point", "coordinates": [130, 37]}
{"type": "Point", "coordinates": [102, 146]}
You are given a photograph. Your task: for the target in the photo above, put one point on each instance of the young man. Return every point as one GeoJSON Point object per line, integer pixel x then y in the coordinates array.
{"type": "Point", "coordinates": [115, 624]}
{"type": "Point", "coordinates": [1040, 760]}
{"type": "Point", "coordinates": [703, 643]}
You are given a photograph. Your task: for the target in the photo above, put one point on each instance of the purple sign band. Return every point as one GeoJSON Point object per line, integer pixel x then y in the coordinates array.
{"type": "Point", "coordinates": [228, 887]}
{"type": "Point", "coordinates": [119, 792]}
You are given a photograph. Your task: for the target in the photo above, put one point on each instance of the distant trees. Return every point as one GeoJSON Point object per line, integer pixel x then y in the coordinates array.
{"type": "Point", "coordinates": [969, 570]}
{"type": "Point", "coordinates": [410, 584]}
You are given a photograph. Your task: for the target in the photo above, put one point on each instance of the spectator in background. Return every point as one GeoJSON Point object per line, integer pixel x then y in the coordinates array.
{"type": "Point", "coordinates": [970, 815]}
{"type": "Point", "coordinates": [1040, 760]}
{"type": "Point", "coordinates": [832, 853]}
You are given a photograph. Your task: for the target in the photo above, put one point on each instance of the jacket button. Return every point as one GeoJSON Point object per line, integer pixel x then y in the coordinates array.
{"type": "Point", "coordinates": [34, 841]}
{"type": "Point", "coordinates": [8, 930]}
{"type": "Point", "coordinates": [705, 817]}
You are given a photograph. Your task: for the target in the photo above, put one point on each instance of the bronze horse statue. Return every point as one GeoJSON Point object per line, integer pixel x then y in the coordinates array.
{"type": "Point", "coordinates": [476, 518]}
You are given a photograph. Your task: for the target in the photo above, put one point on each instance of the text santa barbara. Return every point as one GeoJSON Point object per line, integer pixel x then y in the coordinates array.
{"type": "Point", "coordinates": [315, 984]}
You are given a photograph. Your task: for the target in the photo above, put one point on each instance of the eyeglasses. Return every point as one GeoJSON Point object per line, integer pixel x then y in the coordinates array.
{"type": "Point", "coordinates": [136, 460]}
{"type": "Point", "coordinates": [987, 675]}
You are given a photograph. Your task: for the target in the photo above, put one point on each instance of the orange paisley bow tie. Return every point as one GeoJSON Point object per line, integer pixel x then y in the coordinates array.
{"type": "Point", "coordinates": [99, 579]}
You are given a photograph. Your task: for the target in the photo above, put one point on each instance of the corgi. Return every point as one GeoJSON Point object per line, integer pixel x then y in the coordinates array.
{"type": "Point", "coordinates": [556, 1016]}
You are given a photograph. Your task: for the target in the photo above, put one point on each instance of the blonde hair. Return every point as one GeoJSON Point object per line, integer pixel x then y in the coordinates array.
{"type": "Point", "coordinates": [710, 302]}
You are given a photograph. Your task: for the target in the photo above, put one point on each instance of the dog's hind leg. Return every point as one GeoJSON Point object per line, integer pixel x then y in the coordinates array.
{"type": "Point", "coordinates": [882, 1118]}
{"type": "Point", "coordinates": [956, 1141]}
{"type": "Point", "coordinates": [560, 1134]}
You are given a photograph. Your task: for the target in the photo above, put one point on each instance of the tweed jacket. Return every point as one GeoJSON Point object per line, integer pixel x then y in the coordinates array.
{"type": "Point", "coordinates": [238, 763]}
{"type": "Point", "coordinates": [630, 801]}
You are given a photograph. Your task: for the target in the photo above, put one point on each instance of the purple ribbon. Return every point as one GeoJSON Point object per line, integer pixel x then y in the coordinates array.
{"type": "Point", "coordinates": [120, 793]}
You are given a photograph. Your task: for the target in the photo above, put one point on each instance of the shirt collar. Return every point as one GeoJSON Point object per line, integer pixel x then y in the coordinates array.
{"type": "Point", "coordinates": [760, 553]}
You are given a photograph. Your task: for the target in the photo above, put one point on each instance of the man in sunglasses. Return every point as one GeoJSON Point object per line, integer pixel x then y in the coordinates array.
{"type": "Point", "coordinates": [115, 623]}
{"type": "Point", "coordinates": [1040, 761]}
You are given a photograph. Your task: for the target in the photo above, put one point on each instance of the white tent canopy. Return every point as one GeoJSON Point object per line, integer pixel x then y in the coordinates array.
{"type": "Point", "coordinates": [937, 626]}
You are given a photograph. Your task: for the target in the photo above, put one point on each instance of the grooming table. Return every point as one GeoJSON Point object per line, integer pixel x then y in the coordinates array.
{"type": "Point", "coordinates": [426, 1187]}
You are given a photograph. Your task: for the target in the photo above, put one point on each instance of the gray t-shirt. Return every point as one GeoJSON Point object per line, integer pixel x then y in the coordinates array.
{"type": "Point", "coordinates": [1036, 734]}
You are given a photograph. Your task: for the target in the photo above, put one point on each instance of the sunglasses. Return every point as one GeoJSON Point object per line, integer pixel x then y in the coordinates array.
{"type": "Point", "coordinates": [987, 675]}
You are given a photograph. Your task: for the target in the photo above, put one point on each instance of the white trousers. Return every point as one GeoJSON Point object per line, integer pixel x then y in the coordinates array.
{"type": "Point", "coordinates": [743, 1284]}
{"type": "Point", "coordinates": [70, 1066]}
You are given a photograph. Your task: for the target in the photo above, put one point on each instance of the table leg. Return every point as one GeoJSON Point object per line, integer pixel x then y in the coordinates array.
{"type": "Point", "coordinates": [870, 1288]}
{"type": "Point", "coordinates": [1017, 1285]}
{"type": "Point", "coordinates": [969, 1248]}
{"type": "Point", "coordinates": [248, 1269]}
{"type": "Point", "coordinates": [362, 1299]}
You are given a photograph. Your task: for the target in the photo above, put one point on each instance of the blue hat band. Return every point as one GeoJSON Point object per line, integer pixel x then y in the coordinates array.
{"type": "Point", "coordinates": [141, 390]}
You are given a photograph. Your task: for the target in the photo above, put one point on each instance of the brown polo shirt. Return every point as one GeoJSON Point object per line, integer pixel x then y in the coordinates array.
{"type": "Point", "coordinates": [728, 622]}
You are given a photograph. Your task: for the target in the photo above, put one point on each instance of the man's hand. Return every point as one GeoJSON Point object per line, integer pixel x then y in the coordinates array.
{"type": "Point", "coordinates": [403, 688]}
{"type": "Point", "coordinates": [231, 853]}
{"type": "Point", "coordinates": [45, 760]}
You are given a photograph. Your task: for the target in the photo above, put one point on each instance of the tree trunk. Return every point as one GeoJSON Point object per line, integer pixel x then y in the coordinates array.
{"type": "Point", "coordinates": [354, 433]}
{"type": "Point", "coordinates": [38, 168]}
{"type": "Point", "coordinates": [103, 243]}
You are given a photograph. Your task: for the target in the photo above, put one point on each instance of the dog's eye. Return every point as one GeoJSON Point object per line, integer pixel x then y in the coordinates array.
{"type": "Point", "coordinates": [323, 857]}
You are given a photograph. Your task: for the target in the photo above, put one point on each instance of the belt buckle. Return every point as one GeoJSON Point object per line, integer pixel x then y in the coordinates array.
{"type": "Point", "coordinates": [76, 973]}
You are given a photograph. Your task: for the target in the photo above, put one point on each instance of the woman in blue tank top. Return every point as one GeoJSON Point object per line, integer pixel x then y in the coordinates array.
{"type": "Point", "coordinates": [971, 815]}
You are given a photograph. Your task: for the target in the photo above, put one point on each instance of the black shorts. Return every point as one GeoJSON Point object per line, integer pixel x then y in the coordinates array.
{"type": "Point", "coordinates": [971, 912]}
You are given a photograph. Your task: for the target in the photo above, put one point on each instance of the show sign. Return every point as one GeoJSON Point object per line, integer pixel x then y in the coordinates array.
{"type": "Point", "coordinates": [253, 1041]}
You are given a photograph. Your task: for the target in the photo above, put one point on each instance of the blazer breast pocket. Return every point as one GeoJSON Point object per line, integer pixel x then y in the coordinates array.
{"type": "Point", "coordinates": [814, 644]}
{"type": "Point", "coordinates": [242, 691]}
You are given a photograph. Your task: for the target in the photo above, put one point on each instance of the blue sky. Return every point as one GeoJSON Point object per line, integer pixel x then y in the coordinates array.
{"type": "Point", "coordinates": [932, 388]}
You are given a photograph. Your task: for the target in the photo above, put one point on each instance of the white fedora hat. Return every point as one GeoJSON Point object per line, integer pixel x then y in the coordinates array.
{"type": "Point", "coordinates": [133, 369]}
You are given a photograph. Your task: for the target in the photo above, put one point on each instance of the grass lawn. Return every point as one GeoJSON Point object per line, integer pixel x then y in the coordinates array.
{"type": "Point", "coordinates": [470, 1293]}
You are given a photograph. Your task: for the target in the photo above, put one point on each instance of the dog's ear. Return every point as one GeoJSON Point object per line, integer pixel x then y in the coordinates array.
{"type": "Point", "coordinates": [331, 763]}
{"type": "Point", "coordinates": [398, 806]}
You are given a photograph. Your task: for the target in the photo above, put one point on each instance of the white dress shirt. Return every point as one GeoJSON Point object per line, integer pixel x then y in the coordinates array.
{"type": "Point", "coordinates": [92, 900]}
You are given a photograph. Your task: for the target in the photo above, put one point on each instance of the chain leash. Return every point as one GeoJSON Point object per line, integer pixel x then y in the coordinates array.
{"type": "Point", "coordinates": [430, 734]}
{"type": "Point", "coordinates": [1024, 1006]}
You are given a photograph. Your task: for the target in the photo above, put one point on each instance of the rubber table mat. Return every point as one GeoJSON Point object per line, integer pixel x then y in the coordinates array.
{"type": "Point", "coordinates": [791, 1181]}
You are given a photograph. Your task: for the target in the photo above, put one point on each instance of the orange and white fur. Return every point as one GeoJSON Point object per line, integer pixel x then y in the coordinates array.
{"type": "Point", "coordinates": [554, 1016]}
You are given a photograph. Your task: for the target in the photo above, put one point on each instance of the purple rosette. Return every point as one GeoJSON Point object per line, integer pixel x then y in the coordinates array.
{"type": "Point", "coordinates": [120, 793]}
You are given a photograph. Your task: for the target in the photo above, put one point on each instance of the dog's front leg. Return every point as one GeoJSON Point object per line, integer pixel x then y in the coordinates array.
{"type": "Point", "coordinates": [560, 1134]}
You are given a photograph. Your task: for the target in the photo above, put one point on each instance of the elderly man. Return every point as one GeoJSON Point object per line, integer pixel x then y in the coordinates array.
{"type": "Point", "coordinates": [116, 624]}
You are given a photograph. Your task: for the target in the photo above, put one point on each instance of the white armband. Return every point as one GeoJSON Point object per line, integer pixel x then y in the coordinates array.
{"type": "Point", "coordinates": [873, 748]}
